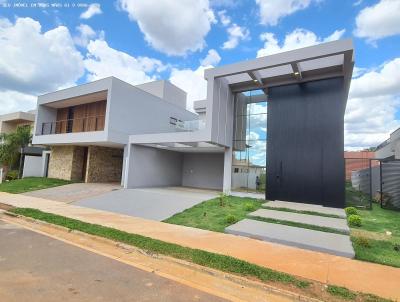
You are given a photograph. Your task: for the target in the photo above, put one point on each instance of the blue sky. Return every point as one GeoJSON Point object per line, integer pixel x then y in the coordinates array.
{"type": "Point", "coordinates": [45, 49]}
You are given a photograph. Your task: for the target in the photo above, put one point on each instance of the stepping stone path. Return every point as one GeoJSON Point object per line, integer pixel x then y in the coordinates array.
{"type": "Point", "coordinates": [339, 224]}
{"type": "Point", "coordinates": [332, 243]}
{"type": "Point", "coordinates": [305, 207]}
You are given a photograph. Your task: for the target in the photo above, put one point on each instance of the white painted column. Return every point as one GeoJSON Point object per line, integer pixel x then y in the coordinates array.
{"type": "Point", "coordinates": [227, 170]}
{"type": "Point", "coordinates": [124, 162]}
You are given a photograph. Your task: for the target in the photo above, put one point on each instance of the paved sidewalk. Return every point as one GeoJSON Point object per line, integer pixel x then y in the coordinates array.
{"type": "Point", "coordinates": [356, 275]}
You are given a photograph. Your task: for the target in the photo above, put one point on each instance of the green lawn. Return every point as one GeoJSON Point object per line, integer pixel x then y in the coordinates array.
{"type": "Point", "coordinates": [31, 184]}
{"type": "Point", "coordinates": [376, 244]}
{"type": "Point", "coordinates": [214, 215]}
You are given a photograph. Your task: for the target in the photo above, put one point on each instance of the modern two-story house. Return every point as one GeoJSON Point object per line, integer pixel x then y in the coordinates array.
{"type": "Point", "coordinates": [283, 113]}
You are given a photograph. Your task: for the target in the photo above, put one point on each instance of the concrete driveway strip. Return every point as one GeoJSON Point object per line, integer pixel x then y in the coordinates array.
{"type": "Point", "coordinates": [74, 192]}
{"type": "Point", "coordinates": [149, 203]}
{"type": "Point", "coordinates": [371, 278]}
{"type": "Point", "coordinates": [34, 267]}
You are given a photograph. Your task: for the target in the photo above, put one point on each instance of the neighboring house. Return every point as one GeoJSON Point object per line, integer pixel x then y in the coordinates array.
{"type": "Point", "coordinates": [245, 175]}
{"type": "Point", "coordinates": [10, 121]}
{"type": "Point", "coordinates": [31, 159]}
{"type": "Point", "coordinates": [358, 160]}
{"type": "Point", "coordinates": [143, 136]}
{"type": "Point", "coordinates": [390, 148]}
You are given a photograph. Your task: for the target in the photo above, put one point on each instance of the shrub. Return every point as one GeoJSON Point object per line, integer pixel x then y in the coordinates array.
{"type": "Point", "coordinates": [231, 219]}
{"type": "Point", "coordinates": [364, 242]}
{"type": "Point", "coordinates": [12, 175]}
{"type": "Point", "coordinates": [222, 199]}
{"type": "Point", "coordinates": [354, 220]}
{"type": "Point", "coordinates": [351, 211]}
{"type": "Point", "coordinates": [249, 206]}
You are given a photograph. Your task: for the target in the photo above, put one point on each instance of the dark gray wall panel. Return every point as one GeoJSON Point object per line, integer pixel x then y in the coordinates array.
{"type": "Point", "coordinates": [305, 142]}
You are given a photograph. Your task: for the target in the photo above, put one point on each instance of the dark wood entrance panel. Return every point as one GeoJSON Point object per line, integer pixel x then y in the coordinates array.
{"type": "Point", "coordinates": [305, 143]}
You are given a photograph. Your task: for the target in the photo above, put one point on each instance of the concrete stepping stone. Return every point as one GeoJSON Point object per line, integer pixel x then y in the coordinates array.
{"type": "Point", "coordinates": [330, 243]}
{"type": "Point", "coordinates": [321, 221]}
{"type": "Point", "coordinates": [305, 207]}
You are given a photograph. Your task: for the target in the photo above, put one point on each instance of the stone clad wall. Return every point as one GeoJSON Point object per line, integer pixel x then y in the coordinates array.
{"type": "Point", "coordinates": [61, 164]}
{"type": "Point", "coordinates": [77, 163]}
{"type": "Point", "coordinates": [104, 164]}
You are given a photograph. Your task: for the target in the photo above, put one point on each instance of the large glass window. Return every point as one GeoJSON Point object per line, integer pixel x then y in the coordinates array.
{"type": "Point", "coordinates": [250, 142]}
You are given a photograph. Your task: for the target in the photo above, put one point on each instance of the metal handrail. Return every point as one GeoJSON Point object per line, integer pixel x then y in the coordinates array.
{"type": "Point", "coordinates": [73, 125]}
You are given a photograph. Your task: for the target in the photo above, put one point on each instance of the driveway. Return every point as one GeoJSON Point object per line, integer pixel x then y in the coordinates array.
{"type": "Point", "coordinates": [150, 203]}
{"type": "Point", "coordinates": [38, 268]}
{"type": "Point", "coordinates": [74, 192]}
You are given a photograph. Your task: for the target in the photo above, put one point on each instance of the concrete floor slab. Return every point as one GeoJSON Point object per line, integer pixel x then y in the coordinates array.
{"type": "Point", "coordinates": [74, 192]}
{"type": "Point", "coordinates": [335, 244]}
{"type": "Point", "coordinates": [297, 206]}
{"type": "Point", "coordinates": [150, 203]}
{"type": "Point", "coordinates": [339, 224]}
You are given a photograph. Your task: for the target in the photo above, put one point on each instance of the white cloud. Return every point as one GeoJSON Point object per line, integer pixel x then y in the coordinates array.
{"type": "Point", "coordinates": [379, 21]}
{"type": "Point", "coordinates": [372, 106]}
{"type": "Point", "coordinates": [93, 9]}
{"type": "Point", "coordinates": [236, 34]}
{"type": "Point", "coordinates": [85, 34]}
{"type": "Point", "coordinates": [33, 62]}
{"type": "Point", "coordinates": [271, 11]}
{"type": "Point", "coordinates": [224, 3]}
{"type": "Point", "coordinates": [225, 20]}
{"type": "Point", "coordinates": [191, 81]}
{"type": "Point", "coordinates": [212, 58]}
{"type": "Point", "coordinates": [11, 101]}
{"type": "Point", "coordinates": [103, 61]}
{"type": "Point", "coordinates": [296, 39]}
{"type": "Point", "coordinates": [170, 26]}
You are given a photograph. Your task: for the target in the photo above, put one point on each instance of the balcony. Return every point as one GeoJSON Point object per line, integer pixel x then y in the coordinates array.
{"type": "Point", "coordinates": [86, 124]}
{"type": "Point", "coordinates": [187, 126]}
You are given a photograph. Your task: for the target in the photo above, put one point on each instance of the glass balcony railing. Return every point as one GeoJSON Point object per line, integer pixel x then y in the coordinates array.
{"type": "Point", "coordinates": [194, 125]}
{"type": "Point", "coordinates": [86, 124]}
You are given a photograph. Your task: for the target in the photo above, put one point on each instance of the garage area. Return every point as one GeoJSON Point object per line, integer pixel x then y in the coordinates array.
{"type": "Point", "coordinates": [175, 166]}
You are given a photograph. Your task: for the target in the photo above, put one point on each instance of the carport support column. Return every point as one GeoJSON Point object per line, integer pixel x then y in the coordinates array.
{"type": "Point", "coordinates": [124, 165]}
{"type": "Point", "coordinates": [227, 170]}
{"type": "Point", "coordinates": [128, 166]}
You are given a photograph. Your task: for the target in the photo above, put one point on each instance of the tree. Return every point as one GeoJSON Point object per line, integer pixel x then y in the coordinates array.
{"type": "Point", "coordinates": [11, 147]}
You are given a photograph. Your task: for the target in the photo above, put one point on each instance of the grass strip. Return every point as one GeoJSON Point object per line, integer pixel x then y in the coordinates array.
{"type": "Point", "coordinates": [303, 212]}
{"type": "Point", "coordinates": [378, 251]}
{"type": "Point", "coordinates": [346, 294]}
{"type": "Point", "coordinates": [341, 292]}
{"type": "Point", "coordinates": [28, 184]}
{"type": "Point", "coordinates": [298, 225]}
{"type": "Point", "coordinates": [216, 261]}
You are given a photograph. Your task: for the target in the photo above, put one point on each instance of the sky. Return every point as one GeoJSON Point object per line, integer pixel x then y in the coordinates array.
{"type": "Point", "coordinates": [44, 48]}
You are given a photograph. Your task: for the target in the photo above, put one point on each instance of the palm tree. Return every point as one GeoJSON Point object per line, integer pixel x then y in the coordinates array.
{"type": "Point", "coordinates": [11, 147]}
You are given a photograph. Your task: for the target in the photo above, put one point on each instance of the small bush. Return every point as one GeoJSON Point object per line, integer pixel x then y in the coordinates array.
{"type": "Point", "coordinates": [12, 175]}
{"type": "Point", "coordinates": [249, 206]}
{"type": "Point", "coordinates": [351, 211]}
{"type": "Point", "coordinates": [222, 199]}
{"type": "Point", "coordinates": [364, 242]}
{"type": "Point", "coordinates": [231, 219]}
{"type": "Point", "coordinates": [354, 220]}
